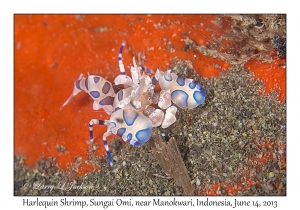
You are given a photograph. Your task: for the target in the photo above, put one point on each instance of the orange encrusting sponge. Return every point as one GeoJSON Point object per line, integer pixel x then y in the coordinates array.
{"type": "Point", "coordinates": [272, 74]}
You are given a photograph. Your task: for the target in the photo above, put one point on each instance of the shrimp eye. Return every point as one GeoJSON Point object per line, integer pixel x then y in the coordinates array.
{"type": "Point", "coordinates": [119, 120]}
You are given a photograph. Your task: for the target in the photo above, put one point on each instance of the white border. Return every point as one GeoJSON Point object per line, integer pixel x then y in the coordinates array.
{"type": "Point", "coordinates": [8, 201]}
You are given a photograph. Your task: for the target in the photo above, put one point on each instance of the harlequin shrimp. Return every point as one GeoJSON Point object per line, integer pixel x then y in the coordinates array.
{"type": "Point", "coordinates": [132, 115]}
